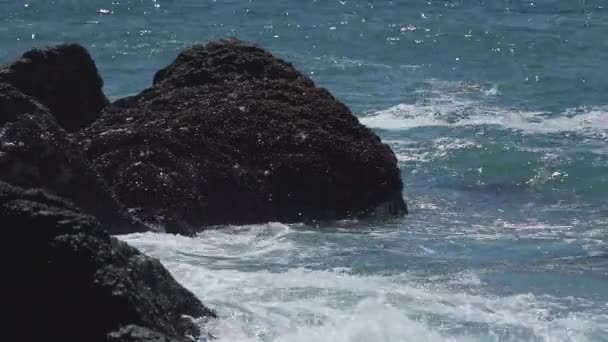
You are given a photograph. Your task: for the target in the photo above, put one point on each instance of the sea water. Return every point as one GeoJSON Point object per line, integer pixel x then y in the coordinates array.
{"type": "Point", "coordinates": [498, 114]}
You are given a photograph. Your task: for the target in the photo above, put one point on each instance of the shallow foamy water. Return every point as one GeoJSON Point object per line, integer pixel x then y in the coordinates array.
{"type": "Point", "coordinates": [276, 282]}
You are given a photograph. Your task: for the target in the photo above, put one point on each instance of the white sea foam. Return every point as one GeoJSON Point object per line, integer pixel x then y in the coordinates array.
{"type": "Point", "coordinates": [454, 111]}
{"type": "Point", "coordinates": [248, 274]}
{"type": "Point", "coordinates": [408, 151]}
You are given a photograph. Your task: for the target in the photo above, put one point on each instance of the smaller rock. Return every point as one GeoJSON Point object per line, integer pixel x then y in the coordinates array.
{"type": "Point", "coordinates": [63, 78]}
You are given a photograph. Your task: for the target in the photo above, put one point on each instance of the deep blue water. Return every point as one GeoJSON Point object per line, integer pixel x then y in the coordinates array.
{"type": "Point", "coordinates": [498, 113]}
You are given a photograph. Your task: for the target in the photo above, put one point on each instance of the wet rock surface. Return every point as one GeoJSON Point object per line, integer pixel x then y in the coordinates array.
{"type": "Point", "coordinates": [229, 134]}
{"type": "Point", "coordinates": [73, 282]}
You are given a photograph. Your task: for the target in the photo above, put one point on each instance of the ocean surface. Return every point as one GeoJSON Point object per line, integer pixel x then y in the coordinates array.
{"type": "Point", "coordinates": [498, 113]}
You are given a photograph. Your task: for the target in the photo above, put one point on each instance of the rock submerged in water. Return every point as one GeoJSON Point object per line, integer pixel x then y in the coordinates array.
{"type": "Point", "coordinates": [229, 134]}
{"type": "Point", "coordinates": [70, 281]}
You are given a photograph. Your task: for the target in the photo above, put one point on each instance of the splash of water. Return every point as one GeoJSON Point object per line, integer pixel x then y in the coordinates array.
{"type": "Point", "coordinates": [270, 283]}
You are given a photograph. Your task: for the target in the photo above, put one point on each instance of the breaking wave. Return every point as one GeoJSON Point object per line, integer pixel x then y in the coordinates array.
{"type": "Point", "coordinates": [276, 282]}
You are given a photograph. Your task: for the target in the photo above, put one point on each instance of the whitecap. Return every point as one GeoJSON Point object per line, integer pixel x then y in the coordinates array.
{"type": "Point", "coordinates": [457, 104]}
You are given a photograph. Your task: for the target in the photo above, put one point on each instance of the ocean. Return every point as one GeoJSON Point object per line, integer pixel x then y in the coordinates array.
{"type": "Point", "coordinates": [498, 114]}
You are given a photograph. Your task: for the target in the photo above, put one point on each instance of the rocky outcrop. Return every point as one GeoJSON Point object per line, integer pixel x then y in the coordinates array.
{"type": "Point", "coordinates": [228, 134]}
{"type": "Point", "coordinates": [66, 279]}
{"type": "Point", "coordinates": [63, 78]}
{"type": "Point", "coordinates": [36, 152]}
{"type": "Point", "coordinates": [231, 134]}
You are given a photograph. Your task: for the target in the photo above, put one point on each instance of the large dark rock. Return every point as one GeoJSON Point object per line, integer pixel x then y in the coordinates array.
{"type": "Point", "coordinates": [63, 78]}
{"type": "Point", "coordinates": [65, 279]}
{"type": "Point", "coordinates": [36, 152]}
{"type": "Point", "coordinates": [231, 134]}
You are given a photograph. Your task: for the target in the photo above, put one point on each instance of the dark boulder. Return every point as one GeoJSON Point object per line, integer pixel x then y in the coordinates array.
{"type": "Point", "coordinates": [63, 78]}
{"type": "Point", "coordinates": [36, 152]}
{"type": "Point", "coordinates": [66, 279]}
{"type": "Point", "coordinates": [231, 134]}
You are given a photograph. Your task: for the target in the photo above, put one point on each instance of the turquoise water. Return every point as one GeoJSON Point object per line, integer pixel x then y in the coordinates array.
{"type": "Point", "coordinates": [498, 113]}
